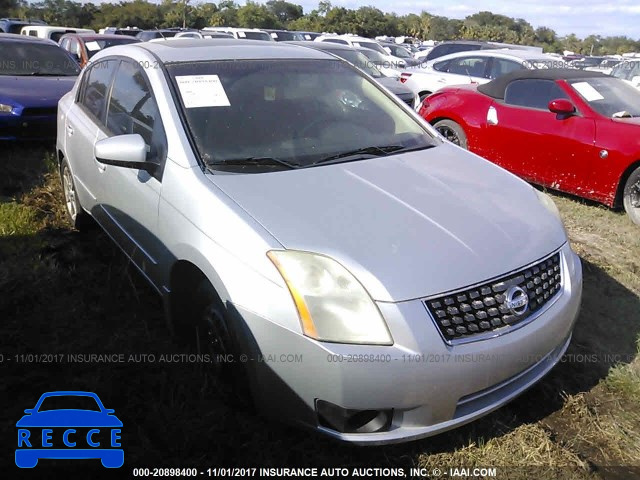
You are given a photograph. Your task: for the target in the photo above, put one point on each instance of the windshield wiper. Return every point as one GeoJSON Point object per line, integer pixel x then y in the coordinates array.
{"type": "Point", "coordinates": [376, 151]}
{"type": "Point", "coordinates": [43, 74]}
{"type": "Point", "coordinates": [258, 161]}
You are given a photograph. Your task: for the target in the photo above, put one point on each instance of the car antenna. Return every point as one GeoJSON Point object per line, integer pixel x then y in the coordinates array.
{"type": "Point", "coordinates": [160, 32]}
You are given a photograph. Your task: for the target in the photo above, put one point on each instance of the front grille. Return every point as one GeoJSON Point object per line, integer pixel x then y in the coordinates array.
{"type": "Point", "coordinates": [484, 308]}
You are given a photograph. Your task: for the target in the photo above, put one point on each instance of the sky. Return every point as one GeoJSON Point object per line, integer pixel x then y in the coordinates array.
{"type": "Point", "coordinates": [582, 17]}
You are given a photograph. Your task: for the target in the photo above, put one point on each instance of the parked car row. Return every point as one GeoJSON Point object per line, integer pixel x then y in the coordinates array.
{"type": "Point", "coordinates": [83, 46]}
{"type": "Point", "coordinates": [281, 201]}
{"type": "Point", "coordinates": [570, 130]}
{"type": "Point", "coordinates": [472, 67]}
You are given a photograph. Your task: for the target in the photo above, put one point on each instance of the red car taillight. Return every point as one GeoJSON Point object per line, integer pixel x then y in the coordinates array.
{"type": "Point", "coordinates": [424, 106]}
{"type": "Point", "coordinates": [404, 77]}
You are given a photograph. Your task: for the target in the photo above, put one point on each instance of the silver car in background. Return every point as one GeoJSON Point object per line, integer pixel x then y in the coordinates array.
{"type": "Point", "coordinates": [382, 284]}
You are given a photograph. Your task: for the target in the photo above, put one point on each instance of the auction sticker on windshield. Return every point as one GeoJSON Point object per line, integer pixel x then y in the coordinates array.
{"type": "Point", "coordinates": [202, 91]}
{"type": "Point", "coordinates": [92, 46]}
{"type": "Point", "coordinates": [589, 93]}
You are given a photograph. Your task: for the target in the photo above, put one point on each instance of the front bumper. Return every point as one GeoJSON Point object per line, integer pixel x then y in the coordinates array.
{"type": "Point", "coordinates": [34, 127]}
{"type": "Point", "coordinates": [429, 386]}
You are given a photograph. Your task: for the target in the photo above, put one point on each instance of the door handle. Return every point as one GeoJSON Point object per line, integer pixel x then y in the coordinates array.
{"type": "Point", "coordinates": [69, 130]}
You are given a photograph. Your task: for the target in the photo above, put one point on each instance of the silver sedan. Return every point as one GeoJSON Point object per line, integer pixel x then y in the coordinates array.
{"type": "Point", "coordinates": [312, 234]}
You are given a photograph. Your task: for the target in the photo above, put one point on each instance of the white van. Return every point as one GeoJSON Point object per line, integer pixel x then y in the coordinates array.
{"type": "Point", "coordinates": [51, 33]}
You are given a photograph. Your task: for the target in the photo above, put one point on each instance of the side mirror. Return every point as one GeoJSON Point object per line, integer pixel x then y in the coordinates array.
{"type": "Point", "coordinates": [561, 106]}
{"type": "Point", "coordinates": [109, 411]}
{"type": "Point", "coordinates": [29, 411]}
{"type": "Point", "coordinates": [636, 81]}
{"type": "Point", "coordinates": [128, 151]}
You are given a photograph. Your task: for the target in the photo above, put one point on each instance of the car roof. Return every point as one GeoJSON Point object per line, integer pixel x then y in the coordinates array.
{"type": "Point", "coordinates": [200, 49]}
{"type": "Point", "coordinates": [496, 88]}
{"type": "Point", "coordinates": [353, 38]}
{"type": "Point", "coordinates": [465, 42]}
{"type": "Point", "coordinates": [52, 28]}
{"type": "Point", "coordinates": [101, 36]}
{"type": "Point", "coordinates": [321, 45]}
{"type": "Point", "coordinates": [232, 29]}
{"type": "Point", "coordinates": [503, 52]}
{"type": "Point", "coordinates": [14, 37]}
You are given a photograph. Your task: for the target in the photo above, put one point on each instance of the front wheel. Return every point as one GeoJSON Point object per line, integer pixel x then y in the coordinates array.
{"type": "Point", "coordinates": [631, 196]}
{"type": "Point", "coordinates": [77, 216]}
{"type": "Point", "coordinates": [451, 131]}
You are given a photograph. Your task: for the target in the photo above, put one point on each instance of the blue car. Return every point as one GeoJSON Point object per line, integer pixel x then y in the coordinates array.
{"type": "Point", "coordinates": [34, 74]}
{"type": "Point", "coordinates": [69, 425]}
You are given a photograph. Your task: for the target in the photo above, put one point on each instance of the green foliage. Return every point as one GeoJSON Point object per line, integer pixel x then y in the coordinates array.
{"type": "Point", "coordinates": [257, 15]}
{"type": "Point", "coordinates": [285, 12]}
{"type": "Point", "coordinates": [367, 21]}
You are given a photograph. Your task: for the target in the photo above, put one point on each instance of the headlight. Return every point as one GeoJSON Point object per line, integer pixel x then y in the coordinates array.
{"type": "Point", "coordinates": [332, 305]}
{"type": "Point", "coordinates": [548, 202]}
{"type": "Point", "coordinates": [5, 108]}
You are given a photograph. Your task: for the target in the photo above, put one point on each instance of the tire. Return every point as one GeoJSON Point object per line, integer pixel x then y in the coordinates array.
{"type": "Point", "coordinates": [631, 196]}
{"type": "Point", "coordinates": [206, 330]}
{"type": "Point", "coordinates": [80, 219]}
{"type": "Point", "coordinates": [452, 131]}
{"type": "Point", "coordinates": [423, 95]}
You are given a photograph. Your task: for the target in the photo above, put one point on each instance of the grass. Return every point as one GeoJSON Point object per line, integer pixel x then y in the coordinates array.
{"type": "Point", "coordinates": [62, 292]}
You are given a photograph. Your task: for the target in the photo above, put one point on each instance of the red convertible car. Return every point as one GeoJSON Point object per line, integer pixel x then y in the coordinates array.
{"type": "Point", "coordinates": [569, 130]}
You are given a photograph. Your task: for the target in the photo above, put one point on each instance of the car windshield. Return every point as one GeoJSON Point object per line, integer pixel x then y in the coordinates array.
{"type": "Point", "coordinates": [400, 52]}
{"type": "Point", "coordinates": [94, 46]}
{"type": "Point", "coordinates": [16, 27]}
{"type": "Point", "coordinates": [30, 58]}
{"type": "Point", "coordinates": [286, 36]}
{"type": "Point", "coordinates": [69, 402]}
{"type": "Point", "coordinates": [359, 60]}
{"type": "Point", "coordinates": [265, 114]}
{"type": "Point", "coordinates": [609, 96]}
{"type": "Point", "coordinates": [626, 70]}
{"type": "Point", "coordinates": [255, 35]}
{"type": "Point", "coordinates": [371, 46]}
{"type": "Point", "coordinates": [374, 56]}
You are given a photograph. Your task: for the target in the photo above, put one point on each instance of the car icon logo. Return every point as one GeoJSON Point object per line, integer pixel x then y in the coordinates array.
{"type": "Point", "coordinates": [69, 425]}
{"type": "Point", "coordinates": [516, 300]}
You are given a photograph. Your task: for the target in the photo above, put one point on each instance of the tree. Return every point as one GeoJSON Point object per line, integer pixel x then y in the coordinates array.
{"type": "Point", "coordinates": [256, 15]}
{"type": "Point", "coordinates": [138, 13]}
{"type": "Point", "coordinates": [201, 15]}
{"type": "Point", "coordinates": [8, 6]}
{"type": "Point", "coordinates": [285, 12]}
{"type": "Point", "coordinates": [227, 14]}
{"type": "Point", "coordinates": [369, 22]}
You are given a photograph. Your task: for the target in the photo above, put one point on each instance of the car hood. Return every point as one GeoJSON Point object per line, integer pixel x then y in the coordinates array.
{"type": "Point", "coordinates": [407, 225]}
{"type": "Point", "coordinates": [393, 85]}
{"type": "Point", "coordinates": [35, 91]}
{"type": "Point", "coordinates": [69, 418]}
